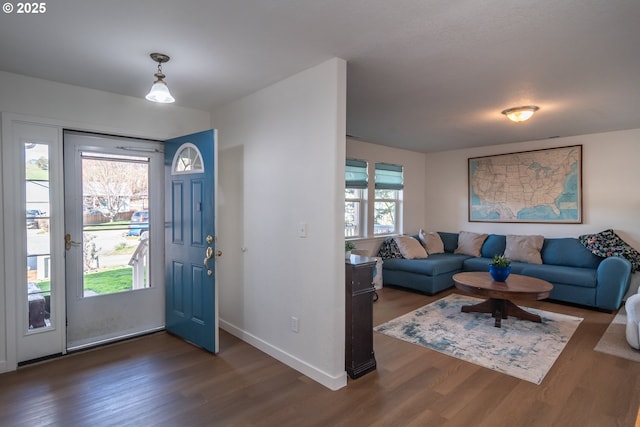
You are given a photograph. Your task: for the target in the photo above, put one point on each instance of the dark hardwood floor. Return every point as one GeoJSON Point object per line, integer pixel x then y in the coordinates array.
{"type": "Point", "coordinates": [159, 380]}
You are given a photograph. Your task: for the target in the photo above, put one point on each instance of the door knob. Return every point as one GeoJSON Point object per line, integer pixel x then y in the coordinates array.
{"type": "Point", "coordinates": [208, 254]}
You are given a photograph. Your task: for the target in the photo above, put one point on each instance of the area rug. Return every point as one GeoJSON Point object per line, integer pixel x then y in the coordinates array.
{"type": "Point", "coordinates": [614, 340]}
{"type": "Point", "coordinates": [520, 348]}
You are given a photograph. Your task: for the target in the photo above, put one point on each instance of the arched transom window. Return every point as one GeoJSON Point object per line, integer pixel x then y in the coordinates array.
{"type": "Point", "coordinates": [187, 160]}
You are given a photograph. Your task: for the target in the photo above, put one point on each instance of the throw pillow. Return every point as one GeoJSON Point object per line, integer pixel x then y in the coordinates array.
{"type": "Point", "coordinates": [431, 242]}
{"type": "Point", "coordinates": [410, 248]}
{"type": "Point", "coordinates": [607, 243]}
{"type": "Point", "coordinates": [524, 248]}
{"type": "Point", "coordinates": [389, 249]}
{"type": "Point", "coordinates": [470, 243]}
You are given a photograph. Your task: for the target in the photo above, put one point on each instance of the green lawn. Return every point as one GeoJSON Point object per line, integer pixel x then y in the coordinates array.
{"type": "Point", "coordinates": [110, 281]}
{"type": "Point", "coordinates": [36, 173]}
{"type": "Point", "coordinates": [103, 282]}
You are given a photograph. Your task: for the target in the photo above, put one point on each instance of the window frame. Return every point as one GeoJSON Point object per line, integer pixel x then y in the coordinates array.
{"type": "Point", "coordinates": [392, 179]}
{"type": "Point", "coordinates": [397, 212]}
{"type": "Point", "coordinates": [357, 178]}
{"type": "Point", "coordinates": [360, 224]}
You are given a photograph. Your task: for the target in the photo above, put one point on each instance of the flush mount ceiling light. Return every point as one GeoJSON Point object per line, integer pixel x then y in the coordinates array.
{"type": "Point", "coordinates": [520, 114]}
{"type": "Point", "coordinates": [159, 91]}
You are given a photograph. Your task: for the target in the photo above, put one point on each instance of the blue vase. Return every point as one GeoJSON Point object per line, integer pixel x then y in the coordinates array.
{"type": "Point", "coordinates": [499, 274]}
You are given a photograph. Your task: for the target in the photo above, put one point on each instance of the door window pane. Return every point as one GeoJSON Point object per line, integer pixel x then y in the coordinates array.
{"type": "Point", "coordinates": [187, 160]}
{"type": "Point", "coordinates": [38, 198]}
{"type": "Point", "coordinates": [115, 197]}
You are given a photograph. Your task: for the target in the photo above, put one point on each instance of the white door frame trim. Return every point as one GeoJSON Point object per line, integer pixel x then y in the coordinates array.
{"type": "Point", "coordinates": [9, 170]}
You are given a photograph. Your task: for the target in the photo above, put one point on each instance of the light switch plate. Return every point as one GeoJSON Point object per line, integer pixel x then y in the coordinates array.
{"type": "Point", "coordinates": [302, 229]}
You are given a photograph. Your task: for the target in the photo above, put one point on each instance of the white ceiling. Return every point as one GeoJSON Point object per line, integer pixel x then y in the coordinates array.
{"type": "Point", "coordinates": [425, 75]}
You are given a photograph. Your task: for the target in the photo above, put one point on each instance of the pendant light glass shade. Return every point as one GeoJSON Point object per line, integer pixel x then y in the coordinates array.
{"type": "Point", "coordinates": [160, 93]}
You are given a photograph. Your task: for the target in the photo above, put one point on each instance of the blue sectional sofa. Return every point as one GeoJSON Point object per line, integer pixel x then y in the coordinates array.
{"type": "Point", "coordinates": [577, 275]}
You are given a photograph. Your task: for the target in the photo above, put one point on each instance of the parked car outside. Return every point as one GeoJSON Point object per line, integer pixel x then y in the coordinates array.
{"type": "Point", "coordinates": [32, 214]}
{"type": "Point", "coordinates": [139, 223]}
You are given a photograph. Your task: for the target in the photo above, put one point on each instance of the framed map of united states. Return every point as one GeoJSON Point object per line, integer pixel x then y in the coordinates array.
{"type": "Point", "coordinates": [530, 186]}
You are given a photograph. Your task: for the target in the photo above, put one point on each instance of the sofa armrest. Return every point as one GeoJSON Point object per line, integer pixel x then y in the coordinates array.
{"type": "Point", "coordinates": [614, 276]}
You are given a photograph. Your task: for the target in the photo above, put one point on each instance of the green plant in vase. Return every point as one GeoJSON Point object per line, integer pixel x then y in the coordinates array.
{"type": "Point", "coordinates": [500, 261]}
{"type": "Point", "coordinates": [500, 268]}
{"type": "Point", "coordinates": [348, 246]}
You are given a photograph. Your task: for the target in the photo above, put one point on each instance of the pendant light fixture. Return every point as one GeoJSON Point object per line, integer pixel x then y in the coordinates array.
{"type": "Point", "coordinates": [520, 114]}
{"type": "Point", "coordinates": [159, 91]}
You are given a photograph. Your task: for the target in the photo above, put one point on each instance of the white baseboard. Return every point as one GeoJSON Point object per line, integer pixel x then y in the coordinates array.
{"type": "Point", "coordinates": [329, 381]}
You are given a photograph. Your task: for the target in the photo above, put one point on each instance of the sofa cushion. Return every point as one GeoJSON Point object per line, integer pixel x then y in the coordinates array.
{"type": "Point", "coordinates": [494, 245]}
{"type": "Point", "coordinates": [582, 277]}
{"type": "Point", "coordinates": [568, 251]}
{"type": "Point", "coordinates": [482, 264]}
{"type": "Point", "coordinates": [470, 243]}
{"type": "Point", "coordinates": [389, 249]}
{"type": "Point", "coordinates": [449, 240]}
{"type": "Point", "coordinates": [434, 265]}
{"type": "Point", "coordinates": [410, 248]}
{"type": "Point", "coordinates": [431, 242]}
{"type": "Point", "coordinates": [524, 248]}
{"type": "Point", "coordinates": [476, 264]}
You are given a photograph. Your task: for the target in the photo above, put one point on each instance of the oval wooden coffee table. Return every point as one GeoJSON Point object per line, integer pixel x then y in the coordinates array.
{"type": "Point", "coordinates": [499, 294]}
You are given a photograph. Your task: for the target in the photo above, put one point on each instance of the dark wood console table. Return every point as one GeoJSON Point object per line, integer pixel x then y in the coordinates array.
{"type": "Point", "coordinates": [359, 292]}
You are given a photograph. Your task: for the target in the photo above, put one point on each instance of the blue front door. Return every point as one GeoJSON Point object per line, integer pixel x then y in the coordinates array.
{"type": "Point", "coordinates": [190, 239]}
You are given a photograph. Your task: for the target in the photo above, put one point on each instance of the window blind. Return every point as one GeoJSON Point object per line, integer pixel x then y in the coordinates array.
{"type": "Point", "coordinates": [356, 174]}
{"type": "Point", "coordinates": [389, 177]}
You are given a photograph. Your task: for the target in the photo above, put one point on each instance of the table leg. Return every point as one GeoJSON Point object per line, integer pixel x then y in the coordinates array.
{"type": "Point", "coordinates": [483, 307]}
{"type": "Point", "coordinates": [513, 310]}
{"type": "Point", "coordinates": [500, 309]}
{"type": "Point", "coordinates": [498, 312]}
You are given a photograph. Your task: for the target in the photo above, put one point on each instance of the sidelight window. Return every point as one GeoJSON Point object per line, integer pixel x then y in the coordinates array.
{"type": "Point", "coordinates": [37, 208]}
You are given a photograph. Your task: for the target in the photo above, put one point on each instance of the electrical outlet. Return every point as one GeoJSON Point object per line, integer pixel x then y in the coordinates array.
{"type": "Point", "coordinates": [295, 324]}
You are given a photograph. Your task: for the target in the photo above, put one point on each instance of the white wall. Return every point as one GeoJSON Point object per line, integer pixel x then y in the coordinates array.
{"type": "Point", "coordinates": [610, 179]}
{"type": "Point", "coordinates": [8, 350]}
{"type": "Point", "coordinates": [282, 153]}
{"type": "Point", "coordinates": [79, 108]}
{"type": "Point", "coordinates": [88, 109]}
{"type": "Point", "coordinates": [414, 184]}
